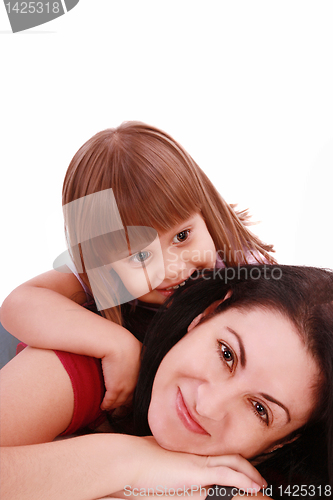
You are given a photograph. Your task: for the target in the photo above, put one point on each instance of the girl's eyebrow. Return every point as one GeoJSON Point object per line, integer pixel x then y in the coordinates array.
{"type": "Point", "coordinates": [184, 223]}
{"type": "Point", "coordinates": [243, 364]}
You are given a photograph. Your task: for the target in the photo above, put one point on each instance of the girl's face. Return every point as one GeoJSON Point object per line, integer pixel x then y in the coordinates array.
{"type": "Point", "coordinates": [237, 383]}
{"type": "Point", "coordinates": [153, 274]}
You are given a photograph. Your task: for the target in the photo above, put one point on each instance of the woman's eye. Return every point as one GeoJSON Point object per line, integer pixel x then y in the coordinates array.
{"type": "Point", "coordinates": [260, 411]}
{"type": "Point", "coordinates": [140, 257]}
{"type": "Point", "coordinates": [182, 236]}
{"type": "Point", "coordinates": [227, 355]}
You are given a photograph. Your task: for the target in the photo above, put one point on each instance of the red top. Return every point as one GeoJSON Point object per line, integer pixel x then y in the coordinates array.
{"type": "Point", "coordinates": [88, 386]}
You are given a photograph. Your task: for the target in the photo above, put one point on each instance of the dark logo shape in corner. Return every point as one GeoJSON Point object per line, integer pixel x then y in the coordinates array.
{"type": "Point", "coordinates": [25, 15]}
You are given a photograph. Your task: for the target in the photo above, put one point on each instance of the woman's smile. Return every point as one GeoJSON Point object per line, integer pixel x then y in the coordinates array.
{"type": "Point", "coordinates": [186, 417]}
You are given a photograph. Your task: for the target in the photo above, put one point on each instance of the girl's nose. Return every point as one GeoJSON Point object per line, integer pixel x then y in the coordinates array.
{"type": "Point", "coordinates": [174, 268]}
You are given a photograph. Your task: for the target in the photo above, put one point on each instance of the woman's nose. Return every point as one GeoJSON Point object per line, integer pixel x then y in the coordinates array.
{"type": "Point", "coordinates": [214, 401]}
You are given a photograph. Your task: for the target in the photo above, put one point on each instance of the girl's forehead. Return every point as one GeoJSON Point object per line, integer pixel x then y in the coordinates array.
{"type": "Point", "coordinates": [162, 218]}
{"type": "Point", "coordinates": [180, 224]}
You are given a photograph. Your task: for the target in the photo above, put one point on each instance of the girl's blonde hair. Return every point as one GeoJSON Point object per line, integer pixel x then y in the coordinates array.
{"type": "Point", "coordinates": [155, 183]}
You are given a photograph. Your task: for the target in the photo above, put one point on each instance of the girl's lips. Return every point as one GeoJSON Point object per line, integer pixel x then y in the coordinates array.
{"type": "Point", "coordinates": [186, 417]}
{"type": "Point", "coordinates": [168, 290]}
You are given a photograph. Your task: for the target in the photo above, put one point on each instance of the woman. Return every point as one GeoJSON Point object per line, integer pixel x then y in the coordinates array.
{"type": "Point", "coordinates": [245, 369]}
{"type": "Point", "coordinates": [304, 296]}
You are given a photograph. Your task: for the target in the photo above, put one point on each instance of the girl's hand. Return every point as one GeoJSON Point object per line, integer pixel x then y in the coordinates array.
{"type": "Point", "coordinates": [121, 369]}
{"type": "Point", "coordinates": [158, 468]}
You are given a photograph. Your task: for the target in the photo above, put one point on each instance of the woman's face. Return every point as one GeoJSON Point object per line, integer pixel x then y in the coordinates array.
{"type": "Point", "coordinates": [237, 383]}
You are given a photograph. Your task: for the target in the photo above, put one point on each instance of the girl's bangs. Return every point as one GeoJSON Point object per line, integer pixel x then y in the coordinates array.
{"type": "Point", "coordinates": [162, 206]}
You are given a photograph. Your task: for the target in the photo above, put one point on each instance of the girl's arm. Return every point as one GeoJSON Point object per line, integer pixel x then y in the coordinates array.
{"type": "Point", "coordinates": [44, 312]}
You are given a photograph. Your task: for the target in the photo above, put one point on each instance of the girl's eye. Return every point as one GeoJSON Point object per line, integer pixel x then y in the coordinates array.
{"type": "Point", "coordinates": [182, 236]}
{"type": "Point", "coordinates": [227, 355]}
{"type": "Point", "coordinates": [140, 257]}
{"type": "Point", "coordinates": [260, 411]}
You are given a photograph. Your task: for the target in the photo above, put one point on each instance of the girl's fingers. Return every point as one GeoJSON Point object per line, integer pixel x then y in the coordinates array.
{"type": "Point", "coordinates": [112, 400]}
{"type": "Point", "coordinates": [238, 464]}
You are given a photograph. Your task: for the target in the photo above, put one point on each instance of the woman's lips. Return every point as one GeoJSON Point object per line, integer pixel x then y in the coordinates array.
{"type": "Point", "coordinates": [186, 417]}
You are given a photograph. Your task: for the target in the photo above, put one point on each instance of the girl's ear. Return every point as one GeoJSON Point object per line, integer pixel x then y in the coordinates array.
{"type": "Point", "coordinates": [207, 312]}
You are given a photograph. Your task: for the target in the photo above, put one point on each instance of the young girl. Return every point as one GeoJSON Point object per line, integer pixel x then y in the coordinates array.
{"type": "Point", "coordinates": [119, 181]}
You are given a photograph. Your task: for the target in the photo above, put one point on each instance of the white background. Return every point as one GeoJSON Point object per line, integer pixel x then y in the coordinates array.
{"type": "Point", "coordinates": [245, 86]}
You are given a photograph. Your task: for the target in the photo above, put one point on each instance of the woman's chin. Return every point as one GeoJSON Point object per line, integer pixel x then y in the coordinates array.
{"type": "Point", "coordinates": [168, 444]}
{"type": "Point", "coordinates": [162, 435]}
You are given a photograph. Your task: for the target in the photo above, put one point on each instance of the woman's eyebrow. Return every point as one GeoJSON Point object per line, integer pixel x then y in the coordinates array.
{"type": "Point", "coordinates": [275, 401]}
{"type": "Point", "coordinates": [241, 346]}
{"type": "Point", "coordinates": [243, 364]}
